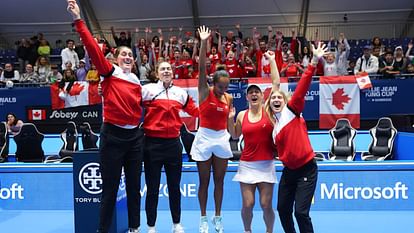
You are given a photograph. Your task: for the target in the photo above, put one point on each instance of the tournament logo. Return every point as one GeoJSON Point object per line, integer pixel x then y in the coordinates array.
{"type": "Point", "coordinates": [90, 178]}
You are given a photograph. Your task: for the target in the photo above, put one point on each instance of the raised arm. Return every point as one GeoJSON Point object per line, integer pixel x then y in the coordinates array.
{"type": "Point", "coordinates": [203, 89]}
{"type": "Point", "coordinates": [103, 66]}
{"type": "Point", "coordinates": [297, 102]}
{"type": "Point", "coordinates": [274, 72]}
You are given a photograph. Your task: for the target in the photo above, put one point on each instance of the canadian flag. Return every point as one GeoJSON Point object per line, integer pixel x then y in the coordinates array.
{"type": "Point", "coordinates": [191, 86]}
{"type": "Point", "coordinates": [338, 98]}
{"type": "Point", "coordinates": [265, 85]}
{"type": "Point", "coordinates": [363, 80]}
{"type": "Point", "coordinates": [74, 94]}
{"type": "Point", "coordinates": [36, 114]}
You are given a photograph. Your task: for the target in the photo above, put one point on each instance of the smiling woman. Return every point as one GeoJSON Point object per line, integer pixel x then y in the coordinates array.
{"type": "Point", "coordinates": [120, 141]}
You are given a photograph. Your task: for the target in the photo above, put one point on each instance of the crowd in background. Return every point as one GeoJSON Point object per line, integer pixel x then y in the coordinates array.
{"type": "Point", "coordinates": [242, 56]}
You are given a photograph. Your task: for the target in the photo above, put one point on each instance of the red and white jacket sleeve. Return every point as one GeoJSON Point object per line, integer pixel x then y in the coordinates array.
{"type": "Point", "coordinates": [297, 102]}
{"type": "Point", "coordinates": [103, 66]}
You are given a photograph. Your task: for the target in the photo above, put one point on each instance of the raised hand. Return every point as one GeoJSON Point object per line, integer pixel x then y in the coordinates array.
{"type": "Point", "coordinates": [73, 9]}
{"type": "Point", "coordinates": [269, 55]}
{"type": "Point", "coordinates": [320, 51]}
{"type": "Point", "coordinates": [204, 32]}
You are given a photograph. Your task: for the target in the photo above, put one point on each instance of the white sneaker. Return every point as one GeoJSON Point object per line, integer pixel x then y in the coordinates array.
{"type": "Point", "coordinates": [151, 230]}
{"type": "Point", "coordinates": [134, 230]}
{"type": "Point", "coordinates": [218, 225]}
{"type": "Point", "coordinates": [203, 224]}
{"type": "Point", "coordinates": [177, 228]}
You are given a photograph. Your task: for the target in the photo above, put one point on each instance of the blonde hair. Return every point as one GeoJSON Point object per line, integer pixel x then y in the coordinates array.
{"type": "Point", "coordinates": [268, 109]}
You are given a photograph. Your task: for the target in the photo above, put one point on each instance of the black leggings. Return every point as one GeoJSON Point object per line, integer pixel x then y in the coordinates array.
{"type": "Point", "coordinates": [119, 148]}
{"type": "Point", "coordinates": [159, 152]}
{"type": "Point", "coordinates": [297, 187]}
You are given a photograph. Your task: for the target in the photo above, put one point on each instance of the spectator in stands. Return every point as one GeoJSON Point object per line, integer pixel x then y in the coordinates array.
{"type": "Point", "coordinates": [69, 54]}
{"type": "Point", "coordinates": [120, 137]}
{"type": "Point", "coordinates": [377, 46]}
{"type": "Point", "coordinates": [232, 65]}
{"type": "Point", "coordinates": [247, 65]}
{"type": "Point", "coordinates": [211, 147]}
{"type": "Point", "coordinates": [123, 39]}
{"type": "Point", "coordinates": [30, 76]}
{"type": "Point", "coordinates": [263, 67]}
{"type": "Point", "coordinates": [83, 69]}
{"type": "Point", "coordinates": [351, 67]}
{"type": "Point", "coordinates": [144, 67]}
{"type": "Point", "coordinates": [330, 68]}
{"type": "Point", "coordinates": [400, 61]}
{"type": "Point", "coordinates": [44, 48]}
{"type": "Point", "coordinates": [32, 53]}
{"type": "Point", "coordinates": [68, 66]}
{"type": "Point", "coordinates": [376, 51]}
{"type": "Point", "coordinates": [43, 69]}
{"type": "Point", "coordinates": [388, 67]}
{"type": "Point", "coordinates": [69, 77]}
{"type": "Point", "coordinates": [291, 68]}
{"type": "Point", "coordinates": [92, 75]}
{"type": "Point", "coordinates": [305, 57]}
{"type": "Point", "coordinates": [23, 54]}
{"type": "Point", "coordinates": [410, 68]}
{"type": "Point", "coordinates": [342, 54]}
{"type": "Point", "coordinates": [367, 63]}
{"type": "Point", "coordinates": [55, 75]}
{"type": "Point", "coordinates": [13, 124]}
{"type": "Point", "coordinates": [80, 50]}
{"type": "Point", "coordinates": [9, 74]}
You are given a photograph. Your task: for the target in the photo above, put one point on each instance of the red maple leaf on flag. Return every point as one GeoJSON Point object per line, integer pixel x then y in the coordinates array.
{"type": "Point", "coordinates": [340, 98]}
{"type": "Point", "coordinates": [76, 89]}
{"type": "Point", "coordinates": [36, 114]}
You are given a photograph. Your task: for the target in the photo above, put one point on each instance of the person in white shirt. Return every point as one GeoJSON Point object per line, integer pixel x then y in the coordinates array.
{"type": "Point", "coordinates": [69, 54]}
{"type": "Point", "coordinates": [367, 63]}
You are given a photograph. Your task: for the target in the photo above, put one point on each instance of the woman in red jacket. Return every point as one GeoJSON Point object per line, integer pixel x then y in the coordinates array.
{"type": "Point", "coordinates": [120, 137]}
{"type": "Point", "coordinates": [299, 176]}
{"type": "Point", "coordinates": [162, 146]}
{"type": "Point", "coordinates": [211, 146]}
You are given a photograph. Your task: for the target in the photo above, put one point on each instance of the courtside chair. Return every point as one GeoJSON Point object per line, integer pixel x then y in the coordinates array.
{"type": "Point", "coordinates": [29, 144]}
{"type": "Point", "coordinates": [342, 146]}
{"type": "Point", "coordinates": [383, 137]}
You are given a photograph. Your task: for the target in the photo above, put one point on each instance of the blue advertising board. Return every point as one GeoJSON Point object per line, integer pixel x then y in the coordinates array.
{"type": "Point", "coordinates": [341, 186]}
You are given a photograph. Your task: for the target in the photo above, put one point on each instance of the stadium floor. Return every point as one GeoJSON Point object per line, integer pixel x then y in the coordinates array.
{"type": "Point", "coordinates": [46, 221]}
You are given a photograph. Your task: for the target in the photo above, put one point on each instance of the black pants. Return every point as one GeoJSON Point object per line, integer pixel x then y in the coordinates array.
{"type": "Point", "coordinates": [159, 152]}
{"type": "Point", "coordinates": [119, 148]}
{"type": "Point", "coordinates": [297, 187]}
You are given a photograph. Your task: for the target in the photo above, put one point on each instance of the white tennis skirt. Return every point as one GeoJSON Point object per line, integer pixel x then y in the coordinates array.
{"type": "Point", "coordinates": [253, 172]}
{"type": "Point", "coordinates": [208, 142]}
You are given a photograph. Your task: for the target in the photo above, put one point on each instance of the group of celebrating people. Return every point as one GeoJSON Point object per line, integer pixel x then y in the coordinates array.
{"type": "Point", "coordinates": [278, 122]}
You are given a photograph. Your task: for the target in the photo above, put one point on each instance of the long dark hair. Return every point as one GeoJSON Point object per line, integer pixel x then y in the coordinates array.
{"type": "Point", "coordinates": [15, 117]}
